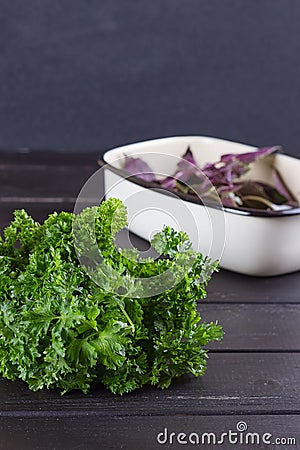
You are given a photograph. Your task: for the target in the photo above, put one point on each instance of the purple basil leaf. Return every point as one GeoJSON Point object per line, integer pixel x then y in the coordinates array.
{"type": "Point", "coordinates": [280, 185]}
{"type": "Point", "coordinates": [226, 189]}
{"type": "Point", "coordinates": [182, 187]}
{"type": "Point", "coordinates": [249, 157]}
{"type": "Point", "coordinates": [216, 175]}
{"type": "Point", "coordinates": [256, 202]}
{"type": "Point", "coordinates": [187, 161]}
{"type": "Point", "coordinates": [138, 168]}
{"type": "Point", "coordinates": [256, 194]}
{"type": "Point", "coordinates": [273, 194]}
{"type": "Point", "coordinates": [223, 176]}
{"type": "Point", "coordinates": [183, 175]}
{"type": "Point", "coordinates": [253, 188]}
{"type": "Point", "coordinates": [232, 166]}
{"type": "Point", "coordinates": [186, 168]}
{"type": "Point", "coordinates": [204, 186]}
{"type": "Point", "coordinates": [168, 183]}
{"type": "Point", "coordinates": [199, 186]}
{"type": "Point", "coordinates": [229, 201]}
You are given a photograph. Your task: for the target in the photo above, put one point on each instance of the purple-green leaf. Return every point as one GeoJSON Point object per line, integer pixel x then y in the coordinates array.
{"type": "Point", "coordinates": [138, 168]}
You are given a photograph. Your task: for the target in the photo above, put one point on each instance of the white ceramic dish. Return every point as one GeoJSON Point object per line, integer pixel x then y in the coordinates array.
{"type": "Point", "coordinates": [251, 242]}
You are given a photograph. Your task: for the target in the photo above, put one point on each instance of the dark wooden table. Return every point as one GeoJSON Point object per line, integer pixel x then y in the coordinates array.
{"type": "Point", "coordinates": [253, 375]}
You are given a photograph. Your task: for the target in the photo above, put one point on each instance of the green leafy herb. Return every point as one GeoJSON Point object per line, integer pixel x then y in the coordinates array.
{"type": "Point", "coordinates": [58, 328]}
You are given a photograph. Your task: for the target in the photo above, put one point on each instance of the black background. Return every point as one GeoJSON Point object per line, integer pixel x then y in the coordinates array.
{"type": "Point", "coordinates": [88, 75]}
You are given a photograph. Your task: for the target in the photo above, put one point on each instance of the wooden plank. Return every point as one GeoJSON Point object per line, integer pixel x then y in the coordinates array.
{"type": "Point", "coordinates": [86, 431]}
{"type": "Point", "coordinates": [38, 210]}
{"type": "Point", "coordinates": [44, 180]}
{"type": "Point", "coordinates": [27, 156]}
{"type": "Point", "coordinates": [247, 327]}
{"type": "Point", "coordinates": [239, 383]}
{"type": "Point", "coordinates": [227, 286]}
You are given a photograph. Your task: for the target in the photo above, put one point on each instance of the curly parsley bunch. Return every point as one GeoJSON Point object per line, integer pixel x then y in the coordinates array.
{"type": "Point", "coordinates": [60, 329]}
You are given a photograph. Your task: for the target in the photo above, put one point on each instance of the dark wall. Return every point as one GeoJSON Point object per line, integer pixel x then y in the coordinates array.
{"type": "Point", "coordinates": [86, 75]}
